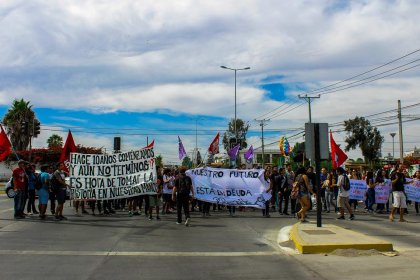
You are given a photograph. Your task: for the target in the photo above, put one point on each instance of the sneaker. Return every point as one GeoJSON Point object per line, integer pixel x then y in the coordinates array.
{"type": "Point", "coordinates": [178, 223]}
{"type": "Point", "coordinates": [187, 222]}
{"type": "Point", "coordinates": [85, 212]}
{"type": "Point", "coordinates": [62, 217]}
{"type": "Point", "coordinates": [157, 218]}
{"type": "Point", "coordinates": [351, 217]}
{"type": "Point", "coordinates": [285, 213]}
{"type": "Point", "coordinates": [130, 214]}
{"type": "Point", "coordinates": [341, 218]}
{"type": "Point", "coordinates": [57, 218]}
{"type": "Point", "coordinates": [36, 212]}
{"type": "Point", "coordinates": [150, 218]}
{"type": "Point", "coordinates": [136, 213]}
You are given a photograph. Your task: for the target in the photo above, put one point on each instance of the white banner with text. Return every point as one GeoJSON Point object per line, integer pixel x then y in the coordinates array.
{"type": "Point", "coordinates": [112, 176]}
{"type": "Point", "coordinates": [232, 187]}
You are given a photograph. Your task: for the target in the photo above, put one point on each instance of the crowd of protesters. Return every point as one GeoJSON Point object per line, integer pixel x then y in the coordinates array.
{"type": "Point", "coordinates": [293, 193]}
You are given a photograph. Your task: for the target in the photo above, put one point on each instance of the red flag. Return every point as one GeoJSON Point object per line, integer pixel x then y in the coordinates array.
{"type": "Point", "coordinates": [150, 145]}
{"type": "Point", "coordinates": [214, 146]}
{"type": "Point", "coordinates": [69, 147]}
{"type": "Point", "coordinates": [5, 146]}
{"type": "Point", "coordinates": [337, 155]}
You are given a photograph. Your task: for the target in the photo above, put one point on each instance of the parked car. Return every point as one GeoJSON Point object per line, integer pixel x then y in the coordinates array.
{"type": "Point", "coordinates": [8, 189]}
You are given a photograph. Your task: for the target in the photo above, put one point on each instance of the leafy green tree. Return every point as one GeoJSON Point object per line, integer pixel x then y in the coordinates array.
{"type": "Point", "coordinates": [159, 161]}
{"type": "Point", "coordinates": [360, 133]}
{"type": "Point", "coordinates": [187, 162]}
{"type": "Point", "coordinates": [241, 128]}
{"type": "Point", "coordinates": [55, 141]}
{"type": "Point", "coordinates": [21, 111]}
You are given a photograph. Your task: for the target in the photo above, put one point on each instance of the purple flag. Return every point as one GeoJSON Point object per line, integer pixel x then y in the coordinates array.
{"type": "Point", "coordinates": [234, 152]}
{"type": "Point", "coordinates": [181, 150]}
{"type": "Point", "coordinates": [249, 154]}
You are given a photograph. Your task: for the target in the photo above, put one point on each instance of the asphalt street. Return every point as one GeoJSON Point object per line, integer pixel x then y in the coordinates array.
{"type": "Point", "coordinates": [216, 247]}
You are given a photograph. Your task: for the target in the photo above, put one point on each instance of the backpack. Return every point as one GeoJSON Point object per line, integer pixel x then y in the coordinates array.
{"type": "Point", "coordinates": [296, 189]}
{"type": "Point", "coordinates": [54, 182]}
{"type": "Point", "coordinates": [38, 182]}
{"type": "Point", "coordinates": [184, 185]}
{"type": "Point", "coordinates": [346, 185]}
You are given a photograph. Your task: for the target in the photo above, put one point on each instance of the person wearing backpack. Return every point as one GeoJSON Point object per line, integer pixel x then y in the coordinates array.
{"type": "Point", "coordinates": [181, 194]}
{"type": "Point", "coordinates": [58, 184]}
{"type": "Point", "coordinates": [343, 184]}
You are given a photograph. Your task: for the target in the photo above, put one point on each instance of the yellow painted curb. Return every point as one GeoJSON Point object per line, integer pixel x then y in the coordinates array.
{"type": "Point", "coordinates": [307, 248]}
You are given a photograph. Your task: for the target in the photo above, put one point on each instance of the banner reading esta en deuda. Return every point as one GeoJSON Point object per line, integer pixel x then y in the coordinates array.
{"type": "Point", "coordinates": [231, 187]}
{"type": "Point", "coordinates": [112, 176]}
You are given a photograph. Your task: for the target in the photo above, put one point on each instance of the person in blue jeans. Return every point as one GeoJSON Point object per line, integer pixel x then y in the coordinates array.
{"type": "Point", "coordinates": [370, 182]}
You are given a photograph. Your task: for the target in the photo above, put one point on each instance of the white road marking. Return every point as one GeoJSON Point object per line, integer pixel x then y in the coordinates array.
{"type": "Point", "coordinates": [142, 254]}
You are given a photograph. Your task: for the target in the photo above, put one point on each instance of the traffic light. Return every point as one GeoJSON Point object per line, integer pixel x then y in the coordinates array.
{"type": "Point", "coordinates": [37, 128]}
{"type": "Point", "coordinates": [24, 127]}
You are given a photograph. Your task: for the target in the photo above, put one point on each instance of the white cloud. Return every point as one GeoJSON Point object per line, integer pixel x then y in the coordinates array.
{"type": "Point", "coordinates": [164, 56]}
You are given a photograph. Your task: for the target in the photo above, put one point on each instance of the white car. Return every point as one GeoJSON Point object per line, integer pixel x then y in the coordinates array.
{"type": "Point", "coordinates": [8, 189]}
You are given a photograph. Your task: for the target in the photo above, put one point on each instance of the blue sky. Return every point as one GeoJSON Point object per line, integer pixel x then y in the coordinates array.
{"type": "Point", "coordinates": [136, 69]}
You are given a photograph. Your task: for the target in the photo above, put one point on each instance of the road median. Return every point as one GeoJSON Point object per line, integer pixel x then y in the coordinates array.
{"type": "Point", "coordinates": [310, 239]}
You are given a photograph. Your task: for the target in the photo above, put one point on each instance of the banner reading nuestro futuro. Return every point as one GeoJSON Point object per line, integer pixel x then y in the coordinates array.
{"type": "Point", "coordinates": [231, 187]}
{"type": "Point", "coordinates": [112, 176]}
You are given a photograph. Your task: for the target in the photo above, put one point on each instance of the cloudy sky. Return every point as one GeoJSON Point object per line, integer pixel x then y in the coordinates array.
{"type": "Point", "coordinates": [139, 69]}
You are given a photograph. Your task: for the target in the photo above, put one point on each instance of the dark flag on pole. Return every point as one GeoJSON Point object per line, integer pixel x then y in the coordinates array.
{"type": "Point", "coordinates": [69, 147]}
{"type": "Point", "coordinates": [214, 146]}
{"type": "Point", "coordinates": [337, 155]}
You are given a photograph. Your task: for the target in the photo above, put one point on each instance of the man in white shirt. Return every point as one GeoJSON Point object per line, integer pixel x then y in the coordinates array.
{"type": "Point", "coordinates": [343, 194]}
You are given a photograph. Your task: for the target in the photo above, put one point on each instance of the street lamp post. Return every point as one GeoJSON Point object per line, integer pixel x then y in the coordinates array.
{"type": "Point", "coordinates": [235, 70]}
{"type": "Point", "coordinates": [393, 147]}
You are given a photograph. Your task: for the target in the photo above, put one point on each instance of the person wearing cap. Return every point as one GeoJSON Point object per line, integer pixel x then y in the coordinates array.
{"type": "Point", "coordinates": [20, 182]}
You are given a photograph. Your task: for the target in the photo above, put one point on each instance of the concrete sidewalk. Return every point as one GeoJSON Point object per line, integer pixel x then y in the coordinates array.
{"type": "Point", "coordinates": [308, 238]}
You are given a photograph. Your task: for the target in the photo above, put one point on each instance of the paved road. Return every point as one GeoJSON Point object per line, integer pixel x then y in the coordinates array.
{"type": "Point", "coordinates": [218, 247]}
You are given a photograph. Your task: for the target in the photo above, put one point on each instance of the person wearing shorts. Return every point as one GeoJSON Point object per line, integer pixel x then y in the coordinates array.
{"type": "Point", "coordinates": [43, 192]}
{"type": "Point", "coordinates": [343, 195]}
{"type": "Point", "coordinates": [398, 195]}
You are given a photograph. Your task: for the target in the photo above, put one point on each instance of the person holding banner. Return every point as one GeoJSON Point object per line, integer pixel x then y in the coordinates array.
{"type": "Point", "coordinates": [181, 194]}
{"type": "Point", "coordinates": [267, 175]}
{"type": "Point", "coordinates": [399, 198]}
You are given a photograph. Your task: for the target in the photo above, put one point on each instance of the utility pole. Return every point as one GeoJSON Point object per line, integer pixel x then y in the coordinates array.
{"type": "Point", "coordinates": [309, 100]}
{"type": "Point", "coordinates": [400, 133]}
{"type": "Point", "coordinates": [262, 123]}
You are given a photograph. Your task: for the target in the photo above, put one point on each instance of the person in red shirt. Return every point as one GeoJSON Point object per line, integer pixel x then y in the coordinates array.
{"type": "Point", "coordinates": [20, 183]}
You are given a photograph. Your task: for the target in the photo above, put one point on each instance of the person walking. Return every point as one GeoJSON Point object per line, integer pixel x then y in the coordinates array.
{"type": "Point", "coordinates": [181, 194]}
{"type": "Point", "coordinates": [343, 194]}
{"type": "Point", "coordinates": [399, 198]}
{"type": "Point", "coordinates": [304, 189]}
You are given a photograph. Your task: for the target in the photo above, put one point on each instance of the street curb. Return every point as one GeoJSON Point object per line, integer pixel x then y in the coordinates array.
{"type": "Point", "coordinates": [308, 247]}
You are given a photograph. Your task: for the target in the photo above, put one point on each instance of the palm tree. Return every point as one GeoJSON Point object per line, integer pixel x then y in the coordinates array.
{"type": "Point", "coordinates": [14, 119]}
{"type": "Point", "coordinates": [55, 141]}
